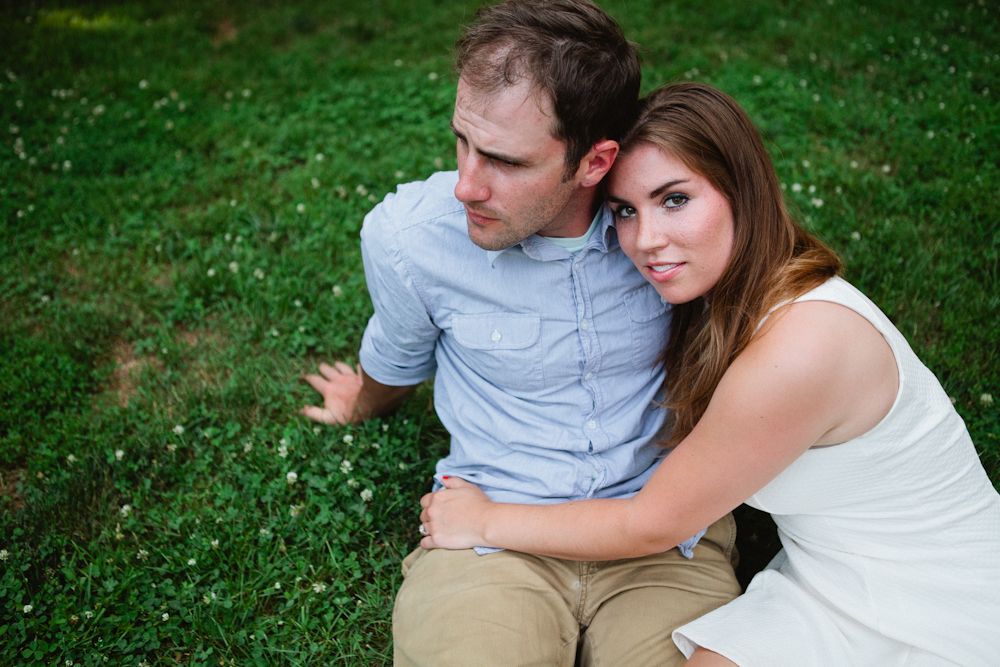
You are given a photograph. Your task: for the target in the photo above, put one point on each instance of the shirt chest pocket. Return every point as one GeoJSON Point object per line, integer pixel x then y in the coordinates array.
{"type": "Point", "coordinates": [649, 321]}
{"type": "Point", "coordinates": [504, 349]}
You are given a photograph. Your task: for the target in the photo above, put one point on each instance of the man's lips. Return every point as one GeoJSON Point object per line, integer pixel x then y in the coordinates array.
{"type": "Point", "coordinates": [479, 218]}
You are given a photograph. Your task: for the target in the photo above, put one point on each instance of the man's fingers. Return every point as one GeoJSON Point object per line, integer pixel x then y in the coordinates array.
{"type": "Point", "coordinates": [328, 371]}
{"type": "Point", "coordinates": [345, 368]}
{"type": "Point", "coordinates": [320, 415]}
{"type": "Point", "coordinates": [316, 382]}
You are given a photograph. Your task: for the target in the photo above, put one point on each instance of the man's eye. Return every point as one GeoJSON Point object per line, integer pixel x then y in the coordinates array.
{"type": "Point", "coordinates": [675, 200]}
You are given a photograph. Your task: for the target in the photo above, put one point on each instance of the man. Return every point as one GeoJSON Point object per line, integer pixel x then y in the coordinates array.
{"type": "Point", "coordinates": [505, 283]}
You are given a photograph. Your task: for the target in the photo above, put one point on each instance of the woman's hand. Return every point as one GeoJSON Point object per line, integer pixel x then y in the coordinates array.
{"type": "Point", "coordinates": [455, 516]}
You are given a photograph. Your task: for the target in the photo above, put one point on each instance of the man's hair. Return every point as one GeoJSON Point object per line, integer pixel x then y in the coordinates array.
{"type": "Point", "coordinates": [773, 258]}
{"type": "Point", "coordinates": [571, 51]}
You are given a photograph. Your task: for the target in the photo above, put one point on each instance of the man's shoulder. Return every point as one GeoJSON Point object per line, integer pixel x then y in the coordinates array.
{"type": "Point", "coordinates": [416, 204]}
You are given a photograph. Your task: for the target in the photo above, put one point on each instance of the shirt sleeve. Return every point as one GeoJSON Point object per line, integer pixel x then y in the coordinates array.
{"type": "Point", "coordinates": [399, 342]}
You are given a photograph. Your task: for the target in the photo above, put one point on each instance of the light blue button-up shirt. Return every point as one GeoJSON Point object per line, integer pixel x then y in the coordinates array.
{"type": "Point", "coordinates": [544, 361]}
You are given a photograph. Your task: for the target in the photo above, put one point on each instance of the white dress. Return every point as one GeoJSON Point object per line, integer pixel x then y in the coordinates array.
{"type": "Point", "coordinates": [891, 542]}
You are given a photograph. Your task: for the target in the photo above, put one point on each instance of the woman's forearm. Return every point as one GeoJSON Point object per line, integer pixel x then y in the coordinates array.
{"type": "Point", "coordinates": [578, 530]}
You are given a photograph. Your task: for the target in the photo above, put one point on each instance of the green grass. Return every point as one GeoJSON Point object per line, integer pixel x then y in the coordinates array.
{"type": "Point", "coordinates": [181, 189]}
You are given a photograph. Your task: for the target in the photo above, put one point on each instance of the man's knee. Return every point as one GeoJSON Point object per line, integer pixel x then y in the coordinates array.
{"type": "Point", "coordinates": [457, 608]}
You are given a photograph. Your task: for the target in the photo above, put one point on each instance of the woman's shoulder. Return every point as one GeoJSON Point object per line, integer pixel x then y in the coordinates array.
{"type": "Point", "coordinates": [830, 340]}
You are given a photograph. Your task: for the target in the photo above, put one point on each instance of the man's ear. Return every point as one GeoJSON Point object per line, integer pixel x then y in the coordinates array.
{"type": "Point", "coordinates": [597, 162]}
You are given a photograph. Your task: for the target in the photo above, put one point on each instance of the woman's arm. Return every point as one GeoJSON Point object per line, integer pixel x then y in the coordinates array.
{"type": "Point", "coordinates": [795, 383]}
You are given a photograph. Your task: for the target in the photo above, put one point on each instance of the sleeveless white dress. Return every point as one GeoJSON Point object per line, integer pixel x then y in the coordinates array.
{"type": "Point", "coordinates": [891, 542]}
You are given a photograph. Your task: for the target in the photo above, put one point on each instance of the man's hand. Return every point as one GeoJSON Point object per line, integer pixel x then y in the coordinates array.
{"type": "Point", "coordinates": [340, 385]}
{"type": "Point", "coordinates": [455, 516]}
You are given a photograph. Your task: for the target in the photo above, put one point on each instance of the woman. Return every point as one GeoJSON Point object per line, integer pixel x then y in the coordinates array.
{"type": "Point", "coordinates": [788, 390]}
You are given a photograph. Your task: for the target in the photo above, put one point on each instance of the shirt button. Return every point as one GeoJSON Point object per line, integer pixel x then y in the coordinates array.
{"type": "Point", "coordinates": [591, 424]}
{"type": "Point", "coordinates": [584, 324]}
{"type": "Point", "coordinates": [496, 336]}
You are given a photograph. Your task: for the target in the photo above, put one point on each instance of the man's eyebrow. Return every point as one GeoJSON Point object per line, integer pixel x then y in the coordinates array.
{"type": "Point", "coordinates": [509, 159]}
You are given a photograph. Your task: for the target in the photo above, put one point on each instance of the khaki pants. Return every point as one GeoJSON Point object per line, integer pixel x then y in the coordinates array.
{"type": "Point", "coordinates": [510, 609]}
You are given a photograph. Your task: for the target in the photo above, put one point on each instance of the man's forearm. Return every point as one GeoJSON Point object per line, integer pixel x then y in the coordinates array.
{"type": "Point", "coordinates": [376, 399]}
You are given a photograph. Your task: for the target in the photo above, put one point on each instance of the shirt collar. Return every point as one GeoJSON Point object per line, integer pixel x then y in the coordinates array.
{"type": "Point", "coordinates": [537, 248]}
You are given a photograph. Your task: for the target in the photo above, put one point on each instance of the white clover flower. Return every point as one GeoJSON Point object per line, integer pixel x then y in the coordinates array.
{"type": "Point", "coordinates": [817, 202]}
{"type": "Point", "coordinates": [338, 291]}
{"type": "Point", "coordinates": [209, 598]}
{"type": "Point", "coordinates": [277, 585]}
{"type": "Point", "coordinates": [796, 187]}
{"type": "Point", "coordinates": [246, 92]}
{"type": "Point", "coordinates": [855, 236]}
{"type": "Point", "coordinates": [353, 483]}
{"type": "Point", "coordinates": [125, 510]}
{"type": "Point", "coordinates": [986, 399]}
{"type": "Point", "coordinates": [314, 182]}
{"type": "Point", "coordinates": [192, 562]}
{"type": "Point", "coordinates": [264, 532]}
{"type": "Point", "coordinates": [143, 85]}
{"type": "Point", "coordinates": [210, 273]}
{"type": "Point", "coordinates": [346, 467]}
{"type": "Point", "coordinates": [67, 165]}
{"type": "Point", "coordinates": [215, 543]}
{"type": "Point", "coordinates": [71, 459]}
{"type": "Point", "coordinates": [274, 332]}
{"type": "Point", "coordinates": [119, 454]}
{"type": "Point", "coordinates": [398, 174]}
{"type": "Point", "coordinates": [320, 157]}
{"type": "Point", "coordinates": [367, 495]}
{"type": "Point", "coordinates": [258, 274]}
{"type": "Point", "coordinates": [142, 554]}
{"type": "Point", "coordinates": [348, 439]}
{"type": "Point", "coordinates": [98, 110]}
{"type": "Point", "coordinates": [171, 447]}
{"type": "Point", "coordinates": [234, 267]}
{"type": "Point", "coordinates": [806, 164]}
{"type": "Point", "coordinates": [886, 168]}
{"type": "Point", "coordinates": [318, 587]}
{"type": "Point", "coordinates": [4, 555]}
{"type": "Point", "coordinates": [247, 447]}
{"type": "Point", "coordinates": [292, 477]}
{"type": "Point", "coordinates": [297, 303]}
{"type": "Point", "coordinates": [283, 450]}
{"type": "Point", "coordinates": [178, 429]}
{"type": "Point", "coordinates": [854, 164]}
{"type": "Point", "coordinates": [397, 63]}
{"type": "Point", "coordinates": [300, 208]}
{"type": "Point", "coordinates": [88, 614]}
{"type": "Point", "coordinates": [432, 76]}
{"type": "Point", "coordinates": [361, 190]}
{"type": "Point", "coordinates": [27, 609]}
{"type": "Point", "coordinates": [164, 616]}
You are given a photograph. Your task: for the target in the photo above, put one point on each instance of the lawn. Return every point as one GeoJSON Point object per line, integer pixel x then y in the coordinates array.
{"type": "Point", "coordinates": [181, 190]}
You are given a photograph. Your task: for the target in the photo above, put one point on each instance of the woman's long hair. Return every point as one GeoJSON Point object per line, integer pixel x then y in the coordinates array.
{"type": "Point", "coordinates": [773, 258]}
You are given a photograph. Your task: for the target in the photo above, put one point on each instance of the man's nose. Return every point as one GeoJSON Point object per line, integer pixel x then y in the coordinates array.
{"type": "Point", "coordinates": [471, 186]}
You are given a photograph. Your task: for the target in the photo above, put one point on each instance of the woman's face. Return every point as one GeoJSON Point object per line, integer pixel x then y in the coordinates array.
{"type": "Point", "coordinates": [674, 225]}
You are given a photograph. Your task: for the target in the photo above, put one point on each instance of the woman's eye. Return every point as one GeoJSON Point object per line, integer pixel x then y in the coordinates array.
{"type": "Point", "coordinates": [625, 212]}
{"type": "Point", "coordinates": [675, 200]}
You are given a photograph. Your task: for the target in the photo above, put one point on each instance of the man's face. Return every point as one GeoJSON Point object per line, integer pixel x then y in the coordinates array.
{"type": "Point", "coordinates": [511, 169]}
